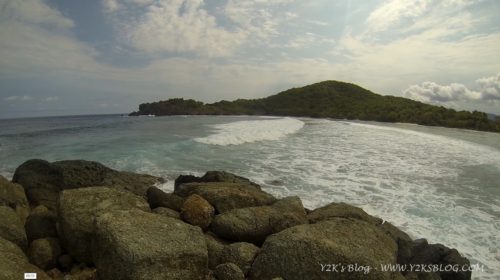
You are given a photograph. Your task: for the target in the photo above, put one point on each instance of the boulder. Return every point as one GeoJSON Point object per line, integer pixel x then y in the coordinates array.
{"type": "Point", "coordinates": [158, 198]}
{"type": "Point", "coordinates": [82, 272]}
{"type": "Point", "coordinates": [43, 181]}
{"type": "Point", "coordinates": [241, 253]}
{"type": "Point", "coordinates": [138, 245]}
{"type": "Point", "coordinates": [167, 212]}
{"type": "Point", "coordinates": [215, 176]}
{"type": "Point", "coordinates": [13, 263]}
{"type": "Point", "coordinates": [78, 209]}
{"type": "Point", "coordinates": [299, 252]}
{"type": "Point", "coordinates": [254, 224]}
{"type": "Point", "coordinates": [44, 252]}
{"type": "Point", "coordinates": [13, 196]}
{"type": "Point", "coordinates": [214, 247]}
{"type": "Point", "coordinates": [227, 196]}
{"type": "Point", "coordinates": [229, 271]}
{"type": "Point", "coordinates": [197, 211]}
{"type": "Point", "coordinates": [41, 223]}
{"type": "Point", "coordinates": [65, 261]}
{"type": "Point", "coordinates": [12, 228]}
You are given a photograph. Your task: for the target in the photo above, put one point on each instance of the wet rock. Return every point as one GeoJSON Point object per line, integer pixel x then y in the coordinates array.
{"type": "Point", "coordinates": [340, 210]}
{"type": "Point", "coordinates": [215, 176]}
{"type": "Point", "coordinates": [41, 223]}
{"type": "Point", "coordinates": [197, 211]}
{"type": "Point", "coordinates": [167, 212]}
{"type": "Point", "coordinates": [158, 198]}
{"type": "Point", "coordinates": [13, 196]}
{"type": "Point", "coordinates": [78, 209]}
{"type": "Point", "coordinates": [13, 262]}
{"type": "Point", "coordinates": [254, 224]}
{"type": "Point", "coordinates": [229, 271]}
{"type": "Point", "coordinates": [227, 196]}
{"type": "Point", "coordinates": [241, 253]}
{"type": "Point", "coordinates": [12, 228]}
{"type": "Point", "coordinates": [298, 252]}
{"type": "Point", "coordinates": [44, 252]}
{"type": "Point", "coordinates": [42, 180]}
{"type": "Point", "coordinates": [139, 245]}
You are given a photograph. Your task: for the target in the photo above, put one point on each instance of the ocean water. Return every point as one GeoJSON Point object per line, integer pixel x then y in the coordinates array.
{"type": "Point", "coordinates": [436, 183]}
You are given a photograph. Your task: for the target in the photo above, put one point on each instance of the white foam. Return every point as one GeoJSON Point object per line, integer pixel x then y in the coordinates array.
{"type": "Point", "coordinates": [241, 132]}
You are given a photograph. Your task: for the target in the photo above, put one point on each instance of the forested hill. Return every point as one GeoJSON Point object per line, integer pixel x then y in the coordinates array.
{"type": "Point", "coordinates": [330, 99]}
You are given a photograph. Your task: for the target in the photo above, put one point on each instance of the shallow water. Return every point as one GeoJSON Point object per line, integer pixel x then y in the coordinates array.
{"type": "Point", "coordinates": [438, 183]}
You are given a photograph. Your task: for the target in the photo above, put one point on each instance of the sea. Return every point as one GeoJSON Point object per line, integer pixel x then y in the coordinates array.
{"type": "Point", "coordinates": [437, 183]}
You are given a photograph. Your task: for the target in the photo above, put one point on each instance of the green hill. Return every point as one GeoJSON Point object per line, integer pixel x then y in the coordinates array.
{"type": "Point", "coordinates": [330, 99]}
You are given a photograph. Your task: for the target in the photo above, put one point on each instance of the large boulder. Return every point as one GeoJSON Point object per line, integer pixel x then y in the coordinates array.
{"type": "Point", "coordinates": [215, 176]}
{"type": "Point", "coordinates": [12, 228]}
{"type": "Point", "coordinates": [43, 180]}
{"type": "Point", "coordinates": [226, 196]}
{"type": "Point", "coordinates": [41, 223]}
{"type": "Point", "coordinates": [158, 198]}
{"type": "Point", "coordinates": [197, 211]}
{"type": "Point", "coordinates": [240, 253]}
{"type": "Point", "coordinates": [139, 245]}
{"type": "Point", "coordinates": [215, 246]}
{"type": "Point", "coordinates": [13, 195]}
{"type": "Point", "coordinates": [304, 251]}
{"type": "Point", "coordinates": [254, 224]}
{"type": "Point", "coordinates": [44, 252]}
{"type": "Point", "coordinates": [78, 209]}
{"type": "Point", "coordinates": [13, 263]}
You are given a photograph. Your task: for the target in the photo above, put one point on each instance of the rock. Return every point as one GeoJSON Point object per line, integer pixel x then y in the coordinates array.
{"type": "Point", "coordinates": [139, 245]}
{"type": "Point", "coordinates": [425, 253]}
{"type": "Point", "coordinates": [241, 253]}
{"type": "Point", "coordinates": [43, 181]}
{"type": "Point", "coordinates": [158, 198]}
{"type": "Point", "coordinates": [44, 252]}
{"type": "Point", "coordinates": [12, 228]}
{"type": "Point", "coordinates": [167, 212]}
{"type": "Point", "coordinates": [254, 224]}
{"type": "Point", "coordinates": [55, 274]}
{"type": "Point", "coordinates": [229, 271]}
{"type": "Point", "coordinates": [214, 248]}
{"type": "Point", "coordinates": [13, 196]}
{"type": "Point", "coordinates": [215, 176]}
{"type": "Point", "coordinates": [197, 211]}
{"type": "Point", "coordinates": [65, 262]}
{"type": "Point", "coordinates": [227, 196]}
{"type": "Point", "coordinates": [299, 252]}
{"type": "Point", "coordinates": [78, 209]}
{"type": "Point", "coordinates": [82, 272]}
{"type": "Point", "coordinates": [13, 262]}
{"type": "Point", "coordinates": [340, 210]}
{"type": "Point", "coordinates": [41, 223]}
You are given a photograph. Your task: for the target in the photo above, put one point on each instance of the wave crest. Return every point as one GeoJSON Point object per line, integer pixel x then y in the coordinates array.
{"type": "Point", "coordinates": [241, 132]}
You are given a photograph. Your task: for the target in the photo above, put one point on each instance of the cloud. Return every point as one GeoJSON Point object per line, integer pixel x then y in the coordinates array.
{"type": "Point", "coordinates": [51, 98]}
{"type": "Point", "coordinates": [488, 89]}
{"type": "Point", "coordinates": [19, 98]}
{"type": "Point", "coordinates": [393, 12]}
{"type": "Point", "coordinates": [35, 12]}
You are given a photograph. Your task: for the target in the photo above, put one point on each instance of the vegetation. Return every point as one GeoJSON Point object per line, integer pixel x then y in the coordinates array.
{"type": "Point", "coordinates": [330, 99]}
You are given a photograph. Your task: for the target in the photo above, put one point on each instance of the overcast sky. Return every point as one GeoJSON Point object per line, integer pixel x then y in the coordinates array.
{"type": "Point", "coordinates": [108, 56]}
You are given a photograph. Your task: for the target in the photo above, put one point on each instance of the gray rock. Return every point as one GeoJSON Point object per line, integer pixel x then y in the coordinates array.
{"type": "Point", "coordinates": [78, 209]}
{"type": "Point", "coordinates": [13, 262]}
{"type": "Point", "coordinates": [139, 245]}
{"type": "Point", "coordinates": [12, 228]}
{"type": "Point", "coordinates": [215, 176]}
{"type": "Point", "coordinates": [229, 271]}
{"type": "Point", "coordinates": [254, 224]}
{"type": "Point", "coordinates": [167, 212]}
{"type": "Point", "coordinates": [44, 252]}
{"type": "Point", "coordinates": [158, 198]}
{"type": "Point", "coordinates": [197, 211]}
{"type": "Point", "coordinates": [298, 252]}
{"type": "Point", "coordinates": [241, 253]}
{"type": "Point", "coordinates": [13, 196]}
{"type": "Point", "coordinates": [215, 246]}
{"type": "Point", "coordinates": [340, 210]}
{"type": "Point", "coordinates": [43, 181]}
{"type": "Point", "coordinates": [227, 196]}
{"type": "Point", "coordinates": [41, 223]}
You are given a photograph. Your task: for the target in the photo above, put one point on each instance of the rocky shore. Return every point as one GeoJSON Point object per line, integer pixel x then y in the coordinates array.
{"type": "Point", "coordinates": [82, 220]}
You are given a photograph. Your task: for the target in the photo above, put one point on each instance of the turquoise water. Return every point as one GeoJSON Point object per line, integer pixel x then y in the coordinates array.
{"type": "Point", "coordinates": [438, 183]}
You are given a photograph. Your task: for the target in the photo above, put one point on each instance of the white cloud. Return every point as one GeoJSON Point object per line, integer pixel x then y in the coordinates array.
{"type": "Point", "coordinates": [35, 12]}
{"type": "Point", "coordinates": [19, 98]}
{"type": "Point", "coordinates": [393, 12]}
{"type": "Point", "coordinates": [488, 90]}
{"type": "Point", "coordinates": [51, 98]}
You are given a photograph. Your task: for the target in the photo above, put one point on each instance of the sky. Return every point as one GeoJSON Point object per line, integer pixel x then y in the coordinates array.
{"type": "Point", "coordinates": [108, 56]}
